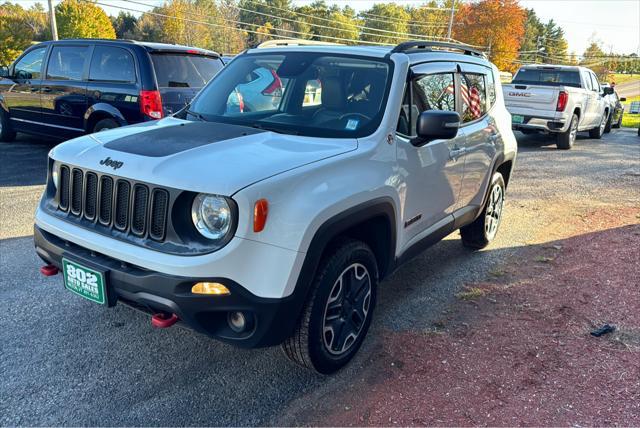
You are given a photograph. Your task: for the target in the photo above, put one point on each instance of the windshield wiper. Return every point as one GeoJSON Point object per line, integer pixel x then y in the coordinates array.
{"type": "Point", "coordinates": [197, 115]}
{"type": "Point", "coordinates": [273, 129]}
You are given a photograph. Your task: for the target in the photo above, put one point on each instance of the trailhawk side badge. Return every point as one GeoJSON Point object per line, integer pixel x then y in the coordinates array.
{"type": "Point", "coordinates": [112, 163]}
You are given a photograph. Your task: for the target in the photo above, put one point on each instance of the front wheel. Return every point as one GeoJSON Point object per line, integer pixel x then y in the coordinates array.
{"type": "Point", "coordinates": [338, 313]}
{"type": "Point", "coordinates": [105, 124]}
{"type": "Point", "coordinates": [484, 229]}
{"type": "Point", "coordinates": [7, 134]}
{"type": "Point", "coordinates": [599, 130]}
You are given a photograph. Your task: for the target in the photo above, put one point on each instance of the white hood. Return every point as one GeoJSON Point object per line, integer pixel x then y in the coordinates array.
{"type": "Point", "coordinates": [220, 159]}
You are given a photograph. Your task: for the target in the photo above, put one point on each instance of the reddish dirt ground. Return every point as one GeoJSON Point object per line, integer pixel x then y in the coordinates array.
{"type": "Point", "coordinates": [516, 350]}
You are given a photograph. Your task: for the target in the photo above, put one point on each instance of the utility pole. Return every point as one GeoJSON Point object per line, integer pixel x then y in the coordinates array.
{"type": "Point", "coordinates": [52, 21]}
{"type": "Point", "coordinates": [453, 9]}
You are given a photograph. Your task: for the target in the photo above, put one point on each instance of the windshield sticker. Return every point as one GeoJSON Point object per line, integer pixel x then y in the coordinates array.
{"type": "Point", "coordinates": [352, 124]}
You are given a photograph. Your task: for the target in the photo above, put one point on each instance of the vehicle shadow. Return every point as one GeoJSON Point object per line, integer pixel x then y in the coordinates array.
{"type": "Point", "coordinates": [24, 161]}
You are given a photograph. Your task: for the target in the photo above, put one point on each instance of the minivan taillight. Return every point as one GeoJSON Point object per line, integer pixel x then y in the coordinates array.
{"type": "Point", "coordinates": [563, 97]}
{"type": "Point", "coordinates": [151, 104]}
{"type": "Point", "coordinates": [275, 88]}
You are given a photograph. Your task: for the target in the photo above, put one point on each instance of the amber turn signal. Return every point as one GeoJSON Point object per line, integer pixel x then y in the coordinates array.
{"type": "Point", "coordinates": [260, 213]}
{"type": "Point", "coordinates": [212, 288]}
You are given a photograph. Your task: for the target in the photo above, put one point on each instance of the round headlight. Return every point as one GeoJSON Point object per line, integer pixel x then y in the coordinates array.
{"type": "Point", "coordinates": [211, 215]}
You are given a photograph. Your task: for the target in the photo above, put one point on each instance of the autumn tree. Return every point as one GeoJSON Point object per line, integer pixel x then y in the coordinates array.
{"type": "Point", "coordinates": [430, 20]}
{"type": "Point", "coordinates": [593, 57]}
{"type": "Point", "coordinates": [495, 25]}
{"type": "Point", "coordinates": [384, 21]}
{"type": "Point", "coordinates": [15, 37]}
{"type": "Point", "coordinates": [81, 19]}
{"type": "Point", "coordinates": [330, 24]}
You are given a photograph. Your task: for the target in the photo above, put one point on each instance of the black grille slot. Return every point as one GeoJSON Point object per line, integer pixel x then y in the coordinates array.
{"type": "Point", "coordinates": [139, 213]}
{"type": "Point", "coordinates": [123, 191]}
{"type": "Point", "coordinates": [63, 198]}
{"type": "Point", "coordinates": [159, 205]}
{"type": "Point", "coordinates": [76, 191]}
{"type": "Point", "coordinates": [106, 200]}
{"type": "Point", "coordinates": [90, 195]}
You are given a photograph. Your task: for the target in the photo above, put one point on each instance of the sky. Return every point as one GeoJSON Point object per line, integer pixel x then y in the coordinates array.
{"type": "Point", "coordinates": [614, 23]}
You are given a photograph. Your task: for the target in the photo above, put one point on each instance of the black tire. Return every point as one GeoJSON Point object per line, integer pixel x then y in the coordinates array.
{"type": "Point", "coordinates": [609, 124]}
{"type": "Point", "coordinates": [482, 231]}
{"type": "Point", "coordinates": [597, 132]}
{"type": "Point", "coordinates": [618, 124]}
{"type": "Point", "coordinates": [7, 134]}
{"type": "Point", "coordinates": [565, 140]}
{"type": "Point", "coordinates": [105, 124]}
{"type": "Point", "coordinates": [309, 346]}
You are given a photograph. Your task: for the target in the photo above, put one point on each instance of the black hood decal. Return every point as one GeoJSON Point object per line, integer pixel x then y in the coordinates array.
{"type": "Point", "coordinates": [169, 140]}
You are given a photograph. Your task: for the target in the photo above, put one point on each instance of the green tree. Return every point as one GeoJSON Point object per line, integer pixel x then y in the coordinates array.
{"type": "Point", "coordinates": [124, 24]}
{"type": "Point", "coordinates": [80, 19]}
{"type": "Point", "coordinates": [330, 24]}
{"type": "Point", "coordinates": [385, 19]}
{"type": "Point", "coordinates": [556, 48]}
{"type": "Point", "coordinates": [593, 57]}
{"type": "Point", "coordinates": [532, 39]}
{"type": "Point", "coordinates": [429, 22]}
{"type": "Point", "coordinates": [14, 34]}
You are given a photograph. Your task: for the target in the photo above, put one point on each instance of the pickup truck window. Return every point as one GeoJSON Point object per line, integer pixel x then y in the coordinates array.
{"type": "Point", "coordinates": [534, 76]}
{"type": "Point", "coordinates": [474, 96]}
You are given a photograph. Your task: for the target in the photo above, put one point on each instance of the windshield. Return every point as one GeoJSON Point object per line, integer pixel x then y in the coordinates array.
{"type": "Point", "coordinates": [310, 94]}
{"type": "Point", "coordinates": [184, 70]}
{"type": "Point", "coordinates": [534, 76]}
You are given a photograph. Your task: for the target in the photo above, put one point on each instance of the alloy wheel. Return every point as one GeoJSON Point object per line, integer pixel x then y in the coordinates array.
{"type": "Point", "coordinates": [347, 309]}
{"type": "Point", "coordinates": [494, 212]}
{"type": "Point", "coordinates": [574, 132]}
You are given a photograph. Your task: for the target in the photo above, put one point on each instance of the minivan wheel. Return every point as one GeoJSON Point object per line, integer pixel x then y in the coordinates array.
{"type": "Point", "coordinates": [338, 313]}
{"type": "Point", "coordinates": [484, 229]}
{"type": "Point", "coordinates": [105, 124]}
{"type": "Point", "coordinates": [565, 140]}
{"type": "Point", "coordinates": [6, 133]}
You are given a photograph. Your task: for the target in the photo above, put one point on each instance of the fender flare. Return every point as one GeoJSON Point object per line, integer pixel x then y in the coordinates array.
{"type": "Point", "coordinates": [103, 109]}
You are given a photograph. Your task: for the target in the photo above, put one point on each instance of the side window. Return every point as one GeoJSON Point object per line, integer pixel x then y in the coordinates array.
{"type": "Point", "coordinates": [67, 62]}
{"type": "Point", "coordinates": [474, 96]}
{"type": "Point", "coordinates": [30, 65]}
{"type": "Point", "coordinates": [587, 81]}
{"type": "Point", "coordinates": [312, 93]}
{"type": "Point", "coordinates": [594, 82]}
{"type": "Point", "coordinates": [112, 64]}
{"type": "Point", "coordinates": [491, 88]}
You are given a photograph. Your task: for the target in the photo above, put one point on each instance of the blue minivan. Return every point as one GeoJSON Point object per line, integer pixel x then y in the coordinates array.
{"type": "Point", "coordinates": [66, 88]}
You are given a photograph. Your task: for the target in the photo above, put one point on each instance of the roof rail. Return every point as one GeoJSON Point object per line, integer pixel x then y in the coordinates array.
{"type": "Point", "coordinates": [294, 42]}
{"type": "Point", "coordinates": [440, 46]}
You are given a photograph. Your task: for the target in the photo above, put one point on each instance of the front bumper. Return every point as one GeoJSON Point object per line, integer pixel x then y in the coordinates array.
{"type": "Point", "coordinates": [271, 320]}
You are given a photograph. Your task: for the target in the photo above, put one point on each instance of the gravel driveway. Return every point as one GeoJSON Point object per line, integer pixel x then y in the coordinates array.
{"type": "Point", "coordinates": [66, 361]}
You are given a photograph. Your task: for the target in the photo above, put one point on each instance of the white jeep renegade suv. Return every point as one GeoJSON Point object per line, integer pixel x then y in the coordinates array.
{"type": "Point", "coordinates": [274, 224]}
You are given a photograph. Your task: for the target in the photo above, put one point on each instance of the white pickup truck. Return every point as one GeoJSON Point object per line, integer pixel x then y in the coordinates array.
{"type": "Point", "coordinates": [557, 99]}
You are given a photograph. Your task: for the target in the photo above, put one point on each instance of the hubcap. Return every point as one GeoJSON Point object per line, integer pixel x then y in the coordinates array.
{"type": "Point", "coordinates": [494, 212]}
{"type": "Point", "coordinates": [347, 309]}
{"type": "Point", "coordinates": [604, 123]}
{"type": "Point", "coordinates": [574, 131]}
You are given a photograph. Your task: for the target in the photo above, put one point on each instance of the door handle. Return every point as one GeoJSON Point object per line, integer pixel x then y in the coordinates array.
{"type": "Point", "coordinates": [455, 153]}
{"type": "Point", "coordinates": [46, 89]}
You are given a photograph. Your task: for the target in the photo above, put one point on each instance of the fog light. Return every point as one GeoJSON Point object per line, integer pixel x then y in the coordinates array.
{"type": "Point", "coordinates": [237, 321]}
{"type": "Point", "coordinates": [214, 288]}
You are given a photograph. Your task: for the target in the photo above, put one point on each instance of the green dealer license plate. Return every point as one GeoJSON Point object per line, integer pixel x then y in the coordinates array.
{"type": "Point", "coordinates": [516, 118]}
{"type": "Point", "coordinates": [84, 281]}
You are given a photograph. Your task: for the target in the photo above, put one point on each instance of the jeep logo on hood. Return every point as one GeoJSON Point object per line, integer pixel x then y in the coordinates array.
{"type": "Point", "coordinates": [112, 163]}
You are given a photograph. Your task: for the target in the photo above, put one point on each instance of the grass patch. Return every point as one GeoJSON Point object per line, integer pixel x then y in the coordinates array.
{"type": "Point", "coordinates": [471, 293]}
{"type": "Point", "coordinates": [621, 78]}
{"type": "Point", "coordinates": [630, 120]}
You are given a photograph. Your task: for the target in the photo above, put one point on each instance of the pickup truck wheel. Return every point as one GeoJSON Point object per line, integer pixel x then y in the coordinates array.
{"type": "Point", "coordinates": [6, 133]}
{"type": "Point", "coordinates": [609, 124]}
{"type": "Point", "coordinates": [566, 139]}
{"type": "Point", "coordinates": [597, 132]}
{"type": "Point", "coordinates": [105, 124]}
{"type": "Point", "coordinates": [338, 313]}
{"type": "Point", "coordinates": [484, 229]}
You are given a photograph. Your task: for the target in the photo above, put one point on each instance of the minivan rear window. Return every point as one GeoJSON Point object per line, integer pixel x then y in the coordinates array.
{"type": "Point", "coordinates": [184, 70]}
{"type": "Point", "coordinates": [535, 76]}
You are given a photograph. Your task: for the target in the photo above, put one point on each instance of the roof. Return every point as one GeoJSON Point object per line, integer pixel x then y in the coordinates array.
{"type": "Point", "coordinates": [150, 46]}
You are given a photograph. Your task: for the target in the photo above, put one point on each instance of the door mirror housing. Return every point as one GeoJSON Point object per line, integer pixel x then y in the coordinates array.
{"type": "Point", "coordinates": [623, 99]}
{"type": "Point", "coordinates": [4, 71]}
{"type": "Point", "coordinates": [436, 125]}
{"type": "Point", "coordinates": [607, 90]}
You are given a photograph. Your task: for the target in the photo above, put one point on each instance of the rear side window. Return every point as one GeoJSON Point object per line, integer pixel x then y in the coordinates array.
{"type": "Point", "coordinates": [30, 65]}
{"type": "Point", "coordinates": [491, 89]}
{"type": "Point", "coordinates": [112, 64]}
{"type": "Point", "coordinates": [183, 70]}
{"type": "Point", "coordinates": [534, 76]}
{"type": "Point", "coordinates": [473, 93]}
{"type": "Point", "coordinates": [428, 92]}
{"type": "Point", "coordinates": [67, 62]}
{"type": "Point", "coordinates": [594, 82]}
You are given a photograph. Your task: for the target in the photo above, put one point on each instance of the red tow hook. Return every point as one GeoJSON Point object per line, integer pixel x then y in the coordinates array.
{"type": "Point", "coordinates": [49, 270]}
{"type": "Point", "coordinates": [164, 320]}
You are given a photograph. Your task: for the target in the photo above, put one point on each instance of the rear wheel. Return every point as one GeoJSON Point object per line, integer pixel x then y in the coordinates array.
{"type": "Point", "coordinates": [105, 124]}
{"type": "Point", "coordinates": [565, 140]}
{"type": "Point", "coordinates": [338, 313]}
{"type": "Point", "coordinates": [484, 229]}
{"type": "Point", "coordinates": [599, 130]}
{"type": "Point", "coordinates": [7, 134]}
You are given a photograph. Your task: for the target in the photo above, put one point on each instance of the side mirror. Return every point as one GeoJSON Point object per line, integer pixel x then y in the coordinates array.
{"type": "Point", "coordinates": [623, 99]}
{"type": "Point", "coordinates": [4, 71]}
{"type": "Point", "coordinates": [436, 125]}
{"type": "Point", "coordinates": [607, 90]}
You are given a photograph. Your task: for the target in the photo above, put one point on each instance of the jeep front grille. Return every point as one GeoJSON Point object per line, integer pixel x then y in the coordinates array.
{"type": "Point", "coordinates": [114, 202]}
